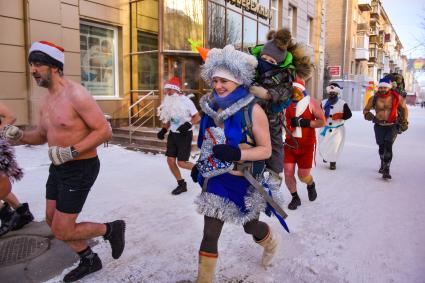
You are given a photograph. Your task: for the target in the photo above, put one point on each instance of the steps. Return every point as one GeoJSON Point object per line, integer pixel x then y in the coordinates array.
{"type": "Point", "coordinates": [143, 139]}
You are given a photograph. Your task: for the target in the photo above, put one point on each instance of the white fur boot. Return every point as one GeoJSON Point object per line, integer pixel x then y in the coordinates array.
{"type": "Point", "coordinates": [270, 244]}
{"type": "Point", "coordinates": [206, 268]}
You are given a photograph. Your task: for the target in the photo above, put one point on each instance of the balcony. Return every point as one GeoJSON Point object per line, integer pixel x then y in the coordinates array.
{"type": "Point", "coordinates": [362, 54]}
{"type": "Point", "coordinates": [363, 27]}
{"type": "Point", "coordinates": [374, 13]}
{"type": "Point", "coordinates": [373, 54]}
{"type": "Point", "coordinates": [374, 39]}
{"type": "Point", "coordinates": [364, 5]}
{"type": "Point", "coordinates": [374, 30]}
{"type": "Point", "coordinates": [387, 69]}
{"type": "Point", "coordinates": [381, 57]}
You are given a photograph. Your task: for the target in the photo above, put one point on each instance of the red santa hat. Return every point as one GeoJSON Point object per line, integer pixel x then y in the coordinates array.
{"type": "Point", "coordinates": [48, 53]}
{"type": "Point", "coordinates": [299, 83]}
{"type": "Point", "coordinates": [174, 83]}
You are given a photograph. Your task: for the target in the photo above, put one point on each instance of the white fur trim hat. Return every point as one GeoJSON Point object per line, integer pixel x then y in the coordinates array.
{"type": "Point", "coordinates": [385, 82]}
{"type": "Point", "coordinates": [299, 83]}
{"type": "Point", "coordinates": [52, 54]}
{"type": "Point", "coordinates": [334, 87]}
{"type": "Point", "coordinates": [174, 83]}
{"type": "Point", "coordinates": [230, 64]}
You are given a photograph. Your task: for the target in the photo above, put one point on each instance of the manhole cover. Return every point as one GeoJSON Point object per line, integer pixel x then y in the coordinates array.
{"type": "Point", "coordinates": [18, 249]}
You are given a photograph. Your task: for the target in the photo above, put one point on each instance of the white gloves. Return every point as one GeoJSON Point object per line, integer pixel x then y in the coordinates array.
{"type": "Point", "coordinates": [11, 132]}
{"type": "Point", "coordinates": [59, 155]}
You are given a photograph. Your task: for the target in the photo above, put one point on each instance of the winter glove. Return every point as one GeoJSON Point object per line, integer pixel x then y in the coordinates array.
{"type": "Point", "coordinates": [161, 134]}
{"type": "Point", "coordinates": [11, 132]}
{"type": "Point", "coordinates": [337, 116]}
{"type": "Point", "coordinates": [369, 116]}
{"type": "Point", "coordinates": [226, 152]}
{"type": "Point", "coordinates": [194, 174]}
{"type": "Point", "coordinates": [183, 129]}
{"type": "Point", "coordinates": [300, 122]}
{"type": "Point", "coordinates": [59, 155]}
{"type": "Point", "coordinates": [404, 126]}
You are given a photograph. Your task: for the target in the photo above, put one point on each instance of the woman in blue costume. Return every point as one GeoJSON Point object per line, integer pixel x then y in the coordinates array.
{"type": "Point", "coordinates": [228, 197]}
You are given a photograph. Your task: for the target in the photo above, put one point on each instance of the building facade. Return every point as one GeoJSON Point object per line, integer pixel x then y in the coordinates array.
{"type": "Point", "coordinates": [368, 49]}
{"type": "Point", "coordinates": [123, 51]}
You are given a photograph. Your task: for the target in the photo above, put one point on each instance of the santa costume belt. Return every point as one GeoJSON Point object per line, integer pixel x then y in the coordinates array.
{"type": "Point", "coordinates": [326, 128]}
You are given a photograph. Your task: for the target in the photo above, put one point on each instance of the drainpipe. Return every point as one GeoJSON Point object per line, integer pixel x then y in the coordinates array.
{"type": "Point", "coordinates": [345, 37]}
{"type": "Point", "coordinates": [345, 49]}
{"type": "Point", "coordinates": [27, 68]}
{"type": "Point", "coordinates": [131, 50]}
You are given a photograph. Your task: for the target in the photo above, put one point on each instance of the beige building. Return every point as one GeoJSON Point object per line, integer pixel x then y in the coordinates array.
{"type": "Point", "coordinates": [368, 49]}
{"type": "Point", "coordinates": [123, 51]}
{"type": "Point", "coordinates": [306, 21]}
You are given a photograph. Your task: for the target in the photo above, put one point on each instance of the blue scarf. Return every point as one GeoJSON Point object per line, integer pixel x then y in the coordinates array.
{"type": "Point", "coordinates": [227, 101]}
{"type": "Point", "coordinates": [331, 101]}
{"type": "Point", "coordinates": [232, 125]}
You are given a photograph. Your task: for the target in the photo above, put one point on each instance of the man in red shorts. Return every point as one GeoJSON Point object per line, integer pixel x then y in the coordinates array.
{"type": "Point", "coordinates": [302, 117]}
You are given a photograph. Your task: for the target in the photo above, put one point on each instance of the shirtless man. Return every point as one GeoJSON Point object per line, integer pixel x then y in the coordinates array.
{"type": "Point", "coordinates": [386, 102]}
{"type": "Point", "coordinates": [73, 126]}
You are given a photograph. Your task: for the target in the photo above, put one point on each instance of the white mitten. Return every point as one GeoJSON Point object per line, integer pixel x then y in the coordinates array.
{"type": "Point", "coordinates": [259, 92]}
{"type": "Point", "coordinates": [11, 132]}
{"type": "Point", "coordinates": [59, 155]}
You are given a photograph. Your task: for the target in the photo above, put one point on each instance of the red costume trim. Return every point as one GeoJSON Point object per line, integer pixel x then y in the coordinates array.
{"type": "Point", "coordinates": [207, 254]}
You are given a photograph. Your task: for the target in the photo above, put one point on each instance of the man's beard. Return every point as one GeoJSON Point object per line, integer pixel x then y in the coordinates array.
{"type": "Point", "coordinates": [172, 107]}
{"type": "Point", "coordinates": [44, 80]}
{"type": "Point", "coordinates": [382, 92]}
{"type": "Point", "coordinates": [332, 95]}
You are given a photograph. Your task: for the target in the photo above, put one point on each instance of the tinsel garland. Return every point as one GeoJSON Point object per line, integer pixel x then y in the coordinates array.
{"type": "Point", "coordinates": [220, 117]}
{"type": "Point", "coordinates": [8, 164]}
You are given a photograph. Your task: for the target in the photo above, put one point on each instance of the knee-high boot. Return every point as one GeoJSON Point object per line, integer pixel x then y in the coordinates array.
{"type": "Point", "coordinates": [269, 243]}
{"type": "Point", "coordinates": [206, 268]}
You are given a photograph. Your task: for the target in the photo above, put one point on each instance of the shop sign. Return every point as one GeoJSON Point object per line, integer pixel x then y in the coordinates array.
{"type": "Point", "coordinates": [335, 71]}
{"type": "Point", "coordinates": [252, 7]}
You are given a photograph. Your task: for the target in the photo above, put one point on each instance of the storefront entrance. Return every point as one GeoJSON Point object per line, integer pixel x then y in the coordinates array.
{"type": "Point", "coordinates": [187, 68]}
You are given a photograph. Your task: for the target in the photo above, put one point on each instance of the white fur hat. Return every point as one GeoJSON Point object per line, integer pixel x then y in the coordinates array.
{"type": "Point", "coordinates": [230, 64]}
{"type": "Point", "coordinates": [334, 87]}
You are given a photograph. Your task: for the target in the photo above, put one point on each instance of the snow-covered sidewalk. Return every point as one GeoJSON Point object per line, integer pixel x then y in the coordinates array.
{"type": "Point", "coordinates": [360, 229]}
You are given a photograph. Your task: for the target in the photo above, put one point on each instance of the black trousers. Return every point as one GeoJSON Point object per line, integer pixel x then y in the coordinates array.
{"type": "Point", "coordinates": [385, 137]}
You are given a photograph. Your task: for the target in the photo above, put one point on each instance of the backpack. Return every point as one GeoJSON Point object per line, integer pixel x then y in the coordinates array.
{"type": "Point", "coordinates": [247, 122]}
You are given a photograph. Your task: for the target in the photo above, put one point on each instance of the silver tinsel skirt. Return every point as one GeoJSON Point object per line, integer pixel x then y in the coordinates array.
{"type": "Point", "coordinates": [8, 165]}
{"type": "Point", "coordinates": [212, 205]}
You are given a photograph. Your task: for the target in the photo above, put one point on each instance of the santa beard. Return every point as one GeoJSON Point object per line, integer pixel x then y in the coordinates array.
{"type": "Point", "coordinates": [172, 107]}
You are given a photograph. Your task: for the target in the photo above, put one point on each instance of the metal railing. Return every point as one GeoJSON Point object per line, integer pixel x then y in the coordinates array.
{"type": "Point", "coordinates": [148, 111]}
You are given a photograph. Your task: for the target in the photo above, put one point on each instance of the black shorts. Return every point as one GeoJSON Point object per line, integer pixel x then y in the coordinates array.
{"type": "Point", "coordinates": [179, 145]}
{"type": "Point", "coordinates": [69, 183]}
